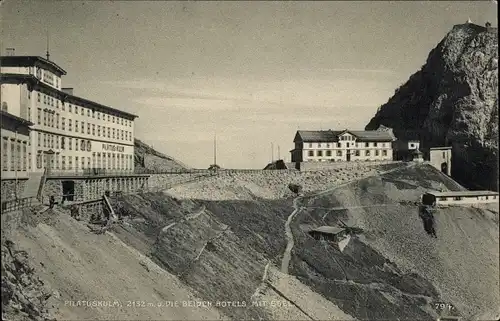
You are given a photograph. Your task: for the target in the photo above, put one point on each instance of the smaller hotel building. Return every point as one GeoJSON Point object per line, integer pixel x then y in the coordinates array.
{"type": "Point", "coordinates": [342, 146]}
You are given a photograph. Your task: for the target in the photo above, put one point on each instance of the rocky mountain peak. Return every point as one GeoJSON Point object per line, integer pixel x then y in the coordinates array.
{"type": "Point", "coordinates": [453, 100]}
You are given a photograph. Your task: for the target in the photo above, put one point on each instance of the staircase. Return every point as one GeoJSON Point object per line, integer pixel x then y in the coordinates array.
{"type": "Point", "coordinates": [33, 184]}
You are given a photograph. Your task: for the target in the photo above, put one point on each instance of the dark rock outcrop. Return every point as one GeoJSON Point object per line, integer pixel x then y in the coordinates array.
{"type": "Point", "coordinates": [453, 100]}
{"type": "Point", "coordinates": [23, 294]}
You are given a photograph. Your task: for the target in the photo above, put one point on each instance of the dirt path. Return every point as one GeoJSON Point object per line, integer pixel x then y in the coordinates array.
{"type": "Point", "coordinates": [289, 235]}
{"type": "Point", "coordinates": [296, 209]}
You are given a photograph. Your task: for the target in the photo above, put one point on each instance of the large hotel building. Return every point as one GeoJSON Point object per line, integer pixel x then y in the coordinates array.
{"type": "Point", "coordinates": [47, 130]}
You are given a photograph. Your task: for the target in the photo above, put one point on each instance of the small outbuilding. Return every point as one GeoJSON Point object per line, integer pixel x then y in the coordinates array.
{"type": "Point", "coordinates": [459, 197]}
{"type": "Point", "coordinates": [329, 233]}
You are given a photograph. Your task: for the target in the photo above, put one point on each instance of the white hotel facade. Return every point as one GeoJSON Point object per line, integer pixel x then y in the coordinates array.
{"type": "Point", "coordinates": [342, 146]}
{"type": "Point", "coordinates": [70, 134]}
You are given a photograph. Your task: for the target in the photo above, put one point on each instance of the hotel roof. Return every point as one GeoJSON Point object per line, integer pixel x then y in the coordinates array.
{"type": "Point", "coordinates": [20, 78]}
{"type": "Point", "coordinates": [27, 61]}
{"type": "Point", "coordinates": [15, 118]}
{"type": "Point", "coordinates": [325, 136]}
{"type": "Point", "coordinates": [463, 193]}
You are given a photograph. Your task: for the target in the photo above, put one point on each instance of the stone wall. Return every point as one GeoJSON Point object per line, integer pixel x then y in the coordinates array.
{"type": "Point", "coordinates": [94, 188]}
{"type": "Point", "coordinates": [9, 187]}
{"type": "Point", "coordinates": [320, 166]}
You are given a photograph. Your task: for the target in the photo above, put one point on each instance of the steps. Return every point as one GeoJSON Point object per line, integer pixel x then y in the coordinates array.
{"type": "Point", "coordinates": [32, 185]}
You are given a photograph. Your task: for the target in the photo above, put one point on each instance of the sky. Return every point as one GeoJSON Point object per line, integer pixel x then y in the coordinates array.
{"type": "Point", "coordinates": [251, 72]}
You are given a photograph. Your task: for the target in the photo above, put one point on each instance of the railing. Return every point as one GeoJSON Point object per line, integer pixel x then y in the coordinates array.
{"type": "Point", "coordinates": [16, 204]}
{"type": "Point", "coordinates": [91, 172]}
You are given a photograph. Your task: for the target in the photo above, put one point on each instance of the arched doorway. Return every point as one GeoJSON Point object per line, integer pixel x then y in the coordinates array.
{"type": "Point", "coordinates": [444, 168]}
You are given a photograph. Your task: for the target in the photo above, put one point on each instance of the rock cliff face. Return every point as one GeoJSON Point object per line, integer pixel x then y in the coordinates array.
{"type": "Point", "coordinates": [149, 160]}
{"type": "Point", "coordinates": [453, 100]}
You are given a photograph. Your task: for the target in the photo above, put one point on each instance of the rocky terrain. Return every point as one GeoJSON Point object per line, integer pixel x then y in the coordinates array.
{"type": "Point", "coordinates": [269, 184]}
{"type": "Point", "coordinates": [453, 100]}
{"type": "Point", "coordinates": [191, 259]}
{"type": "Point", "coordinates": [147, 159]}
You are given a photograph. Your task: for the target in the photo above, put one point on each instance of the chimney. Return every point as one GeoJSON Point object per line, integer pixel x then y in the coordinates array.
{"type": "Point", "coordinates": [69, 91]}
{"type": "Point", "coordinates": [10, 51]}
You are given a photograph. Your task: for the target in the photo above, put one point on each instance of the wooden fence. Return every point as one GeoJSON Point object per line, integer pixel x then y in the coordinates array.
{"type": "Point", "coordinates": [17, 204]}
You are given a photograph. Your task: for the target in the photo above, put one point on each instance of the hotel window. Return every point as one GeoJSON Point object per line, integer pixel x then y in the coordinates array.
{"type": "Point", "coordinates": [444, 155]}
{"type": "Point", "coordinates": [99, 160]}
{"type": "Point", "coordinates": [339, 153]}
{"type": "Point", "coordinates": [113, 119]}
{"type": "Point", "coordinates": [93, 129]}
{"type": "Point", "coordinates": [63, 162]}
{"type": "Point", "coordinates": [63, 106]}
{"type": "Point", "coordinates": [76, 109]}
{"type": "Point", "coordinates": [38, 97]}
{"type": "Point", "coordinates": [320, 153]}
{"type": "Point", "coordinates": [39, 161]}
{"type": "Point", "coordinates": [82, 111]}
{"type": "Point", "coordinates": [328, 153]}
{"type": "Point", "coordinates": [457, 198]}
{"type": "Point", "coordinates": [5, 146]}
{"type": "Point", "coordinates": [367, 144]}
{"type": "Point", "coordinates": [76, 144]}
{"type": "Point", "coordinates": [347, 145]}
{"type": "Point", "coordinates": [76, 162]}
{"type": "Point", "coordinates": [70, 162]}
{"type": "Point", "coordinates": [121, 134]}
{"type": "Point", "coordinates": [83, 162]}
{"type": "Point", "coordinates": [57, 120]}
{"type": "Point", "coordinates": [57, 142]}
{"type": "Point", "coordinates": [310, 145]}
{"type": "Point", "coordinates": [367, 153]}
{"type": "Point", "coordinates": [29, 161]}
{"type": "Point", "coordinates": [88, 162]}
{"type": "Point", "coordinates": [12, 154]}
{"type": "Point", "coordinates": [69, 108]}
{"type": "Point", "coordinates": [45, 99]}
{"type": "Point", "coordinates": [384, 152]}
{"type": "Point", "coordinates": [39, 138]}
{"type": "Point", "coordinates": [88, 112]}
{"type": "Point", "coordinates": [83, 127]}
{"type": "Point", "coordinates": [356, 153]}
{"type": "Point", "coordinates": [319, 145]}
{"type": "Point", "coordinates": [63, 142]}
{"type": "Point", "coordinates": [109, 131]}
{"type": "Point", "coordinates": [93, 113]}
{"type": "Point", "coordinates": [63, 123]}
{"type": "Point", "coordinates": [70, 124]}
{"type": "Point", "coordinates": [311, 153]}
{"type": "Point", "coordinates": [383, 144]}
{"type": "Point", "coordinates": [93, 160]}
{"type": "Point", "coordinates": [376, 152]}
{"type": "Point", "coordinates": [70, 143]}
{"type": "Point", "coordinates": [88, 128]}
{"type": "Point", "coordinates": [44, 140]}
{"type": "Point", "coordinates": [113, 133]}
{"type": "Point", "coordinates": [99, 130]}
{"type": "Point", "coordinates": [109, 160]}
{"type": "Point", "coordinates": [82, 144]}
{"type": "Point", "coordinates": [44, 118]}
{"type": "Point", "coordinates": [108, 117]}
{"type": "Point", "coordinates": [338, 145]}
{"type": "Point", "coordinates": [98, 115]}
{"type": "Point", "coordinates": [52, 101]}
{"type": "Point", "coordinates": [18, 156]}
{"type": "Point", "coordinates": [375, 144]}
{"type": "Point", "coordinates": [57, 103]}
{"type": "Point", "coordinates": [76, 126]}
